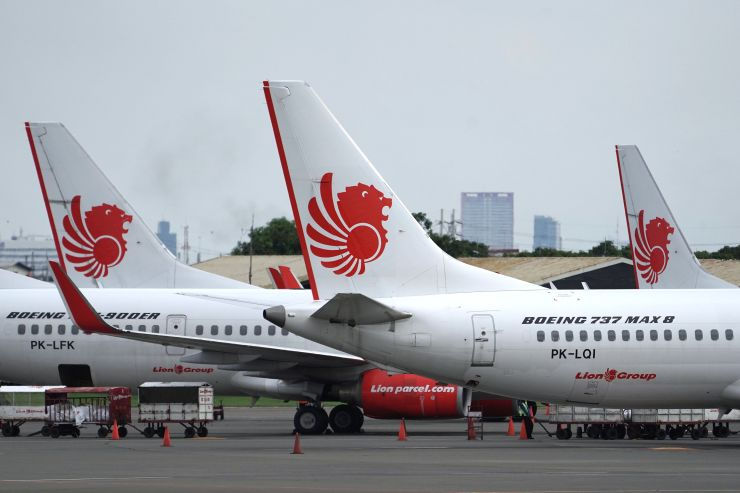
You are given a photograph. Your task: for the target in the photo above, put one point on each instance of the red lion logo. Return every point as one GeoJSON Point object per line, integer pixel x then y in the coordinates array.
{"type": "Point", "coordinates": [651, 247]}
{"type": "Point", "coordinates": [610, 374]}
{"type": "Point", "coordinates": [350, 233]}
{"type": "Point", "coordinates": [96, 243]}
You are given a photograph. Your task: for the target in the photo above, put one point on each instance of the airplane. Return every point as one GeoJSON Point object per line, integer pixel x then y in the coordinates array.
{"type": "Point", "coordinates": [180, 334]}
{"type": "Point", "coordinates": [662, 258]}
{"type": "Point", "coordinates": [282, 277]}
{"type": "Point", "coordinates": [383, 291]}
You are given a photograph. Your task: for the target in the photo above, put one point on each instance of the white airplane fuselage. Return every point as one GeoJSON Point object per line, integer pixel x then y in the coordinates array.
{"type": "Point", "coordinates": [34, 358]}
{"type": "Point", "coordinates": [444, 338]}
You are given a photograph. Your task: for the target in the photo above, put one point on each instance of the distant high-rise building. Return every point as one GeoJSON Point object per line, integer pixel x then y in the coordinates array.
{"type": "Point", "coordinates": [488, 218]}
{"type": "Point", "coordinates": [169, 239]}
{"type": "Point", "coordinates": [547, 233]}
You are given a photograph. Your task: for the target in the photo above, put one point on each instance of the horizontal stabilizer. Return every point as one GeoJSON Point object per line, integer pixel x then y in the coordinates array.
{"type": "Point", "coordinates": [357, 309]}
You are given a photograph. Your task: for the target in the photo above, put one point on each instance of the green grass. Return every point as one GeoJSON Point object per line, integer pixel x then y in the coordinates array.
{"type": "Point", "coordinates": [244, 401]}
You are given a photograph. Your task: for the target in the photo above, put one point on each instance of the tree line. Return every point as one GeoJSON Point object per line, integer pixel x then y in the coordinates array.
{"type": "Point", "coordinates": [279, 237]}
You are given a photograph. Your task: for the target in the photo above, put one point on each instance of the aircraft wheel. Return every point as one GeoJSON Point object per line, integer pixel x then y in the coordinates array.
{"type": "Point", "coordinates": [102, 432]}
{"type": "Point", "coordinates": [346, 419]}
{"type": "Point", "coordinates": [310, 420]}
{"type": "Point", "coordinates": [122, 431]}
{"type": "Point", "coordinates": [202, 431]}
{"type": "Point", "coordinates": [189, 432]}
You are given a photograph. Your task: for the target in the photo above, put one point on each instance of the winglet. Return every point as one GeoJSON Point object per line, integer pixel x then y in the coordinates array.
{"type": "Point", "coordinates": [276, 278]}
{"type": "Point", "coordinates": [290, 281]}
{"type": "Point", "coordinates": [82, 313]}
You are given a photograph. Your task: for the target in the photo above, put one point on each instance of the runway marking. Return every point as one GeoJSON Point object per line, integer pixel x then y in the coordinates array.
{"type": "Point", "coordinates": [671, 448]}
{"type": "Point", "coordinates": [208, 438]}
{"type": "Point", "coordinates": [53, 480]}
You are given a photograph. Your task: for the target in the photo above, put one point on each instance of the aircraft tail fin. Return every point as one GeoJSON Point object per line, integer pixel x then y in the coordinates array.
{"type": "Point", "coordinates": [355, 233]}
{"type": "Point", "coordinates": [290, 281]}
{"type": "Point", "coordinates": [100, 240]}
{"type": "Point", "coordinates": [662, 257]}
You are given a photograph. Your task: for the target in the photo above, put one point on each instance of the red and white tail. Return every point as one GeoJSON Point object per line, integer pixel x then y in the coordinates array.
{"type": "Point", "coordinates": [355, 233]}
{"type": "Point", "coordinates": [100, 240]}
{"type": "Point", "coordinates": [290, 281]}
{"type": "Point", "coordinates": [661, 255]}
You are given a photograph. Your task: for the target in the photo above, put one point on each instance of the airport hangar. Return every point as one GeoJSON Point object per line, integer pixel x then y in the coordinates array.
{"type": "Point", "coordinates": [563, 272]}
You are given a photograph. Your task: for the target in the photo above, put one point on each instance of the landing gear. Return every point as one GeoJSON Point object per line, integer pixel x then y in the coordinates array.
{"type": "Point", "coordinates": [346, 419]}
{"type": "Point", "coordinates": [310, 420]}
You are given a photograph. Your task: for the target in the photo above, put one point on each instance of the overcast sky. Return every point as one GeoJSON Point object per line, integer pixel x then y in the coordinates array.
{"type": "Point", "coordinates": [444, 97]}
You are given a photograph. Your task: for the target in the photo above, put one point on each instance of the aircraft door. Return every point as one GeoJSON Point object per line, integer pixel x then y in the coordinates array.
{"type": "Point", "coordinates": [176, 326]}
{"type": "Point", "coordinates": [484, 340]}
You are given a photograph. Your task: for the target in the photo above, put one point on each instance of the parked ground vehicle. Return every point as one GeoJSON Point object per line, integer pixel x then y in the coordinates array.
{"type": "Point", "coordinates": [651, 424]}
{"type": "Point", "coordinates": [20, 404]}
{"type": "Point", "coordinates": [189, 404]}
{"type": "Point", "coordinates": [68, 408]}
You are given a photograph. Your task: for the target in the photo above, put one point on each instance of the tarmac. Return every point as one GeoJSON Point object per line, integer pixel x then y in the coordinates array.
{"type": "Point", "coordinates": [251, 451]}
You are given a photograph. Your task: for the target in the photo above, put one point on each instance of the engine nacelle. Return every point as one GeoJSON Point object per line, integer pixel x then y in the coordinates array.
{"type": "Point", "coordinates": [404, 395]}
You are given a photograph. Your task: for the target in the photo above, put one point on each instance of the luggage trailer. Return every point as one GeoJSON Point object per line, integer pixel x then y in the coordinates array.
{"type": "Point", "coordinates": [650, 424]}
{"type": "Point", "coordinates": [64, 410]}
{"type": "Point", "coordinates": [189, 404]}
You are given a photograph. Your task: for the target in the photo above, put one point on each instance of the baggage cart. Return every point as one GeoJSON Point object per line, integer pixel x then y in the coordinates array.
{"type": "Point", "coordinates": [69, 408]}
{"type": "Point", "coordinates": [20, 404]}
{"type": "Point", "coordinates": [596, 422]}
{"type": "Point", "coordinates": [189, 404]}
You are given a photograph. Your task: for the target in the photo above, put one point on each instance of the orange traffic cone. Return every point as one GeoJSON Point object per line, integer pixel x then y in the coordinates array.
{"type": "Point", "coordinates": [115, 435]}
{"type": "Point", "coordinates": [167, 441]}
{"type": "Point", "coordinates": [510, 432]}
{"type": "Point", "coordinates": [402, 431]}
{"type": "Point", "coordinates": [523, 431]}
{"type": "Point", "coordinates": [297, 444]}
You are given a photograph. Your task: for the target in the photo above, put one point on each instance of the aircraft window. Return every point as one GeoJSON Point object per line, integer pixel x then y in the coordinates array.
{"type": "Point", "coordinates": [714, 333]}
{"type": "Point", "coordinates": [583, 335]}
{"type": "Point", "coordinates": [34, 329]}
{"type": "Point", "coordinates": [653, 335]}
{"type": "Point", "coordinates": [75, 330]}
{"type": "Point", "coordinates": [271, 330]}
{"type": "Point", "coordinates": [227, 330]}
{"type": "Point", "coordinates": [142, 328]}
{"type": "Point", "coordinates": [199, 330]}
{"type": "Point", "coordinates": [682, 334]}
{"type": "Point", "coordinates": [728, 334]}
{"type": "Point", "coordinates": [698, 334]}
{"type": "Point", "coordinates": [214, 330]}
{"type": "Point", "coordinates": [155, 329]}
{"type": "Point", "coordinates": [639, 335]}
{"type": "Point", "coordinates": [625, 335]}
{"type": "Point", "coordinates": [129, 327]}
{"type": "Point", "coordinates": [285, 332]}
{"type": "Point", "coordinates": [611, 335]}
{"type": "Point", "coordinates": [62, 329]}
{"type": "Point", "coordinates": [258, 330]}
{"type": "Point", "coordinates": [555, 336]}
{"type": "Point", "coordinates": [597, 335]}
{"type": "Point", "coordinates": [540, 335]}
{"type": "Point", "coordinates": [22, 329]}
{"type": "Point", "coordinates": [47, 329]}
{"type": "Point", "coordinates": [243, 330]}
{"type": "Point", "coordinates": [667, 334]}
